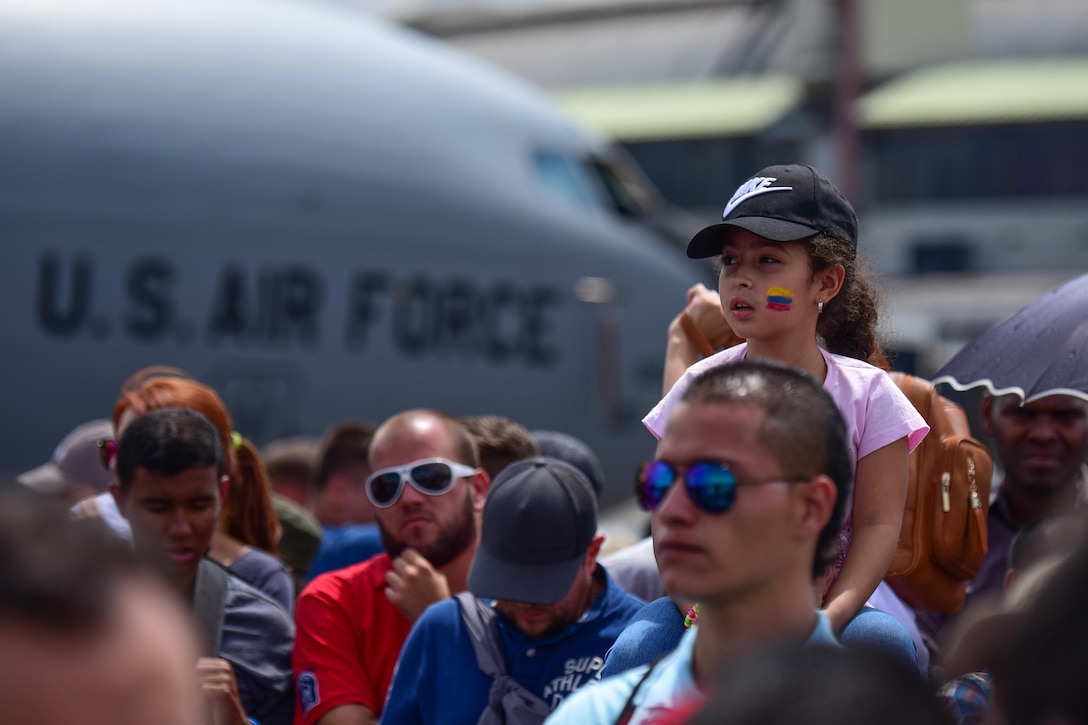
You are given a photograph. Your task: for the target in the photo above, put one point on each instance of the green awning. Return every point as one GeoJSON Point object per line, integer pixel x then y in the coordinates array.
{"type": "Point", "coordinates": [981, 93]}
{"type": "Point", "coordinates": [732, 107]}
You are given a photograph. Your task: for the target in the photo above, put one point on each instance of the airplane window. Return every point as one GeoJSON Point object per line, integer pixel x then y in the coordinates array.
{"type": "Point", "coordinates": [628, 192]}
{"type": "Point", "coordinates": [611, 182]}
{"type": "Point", "coordinates": [564, 177]}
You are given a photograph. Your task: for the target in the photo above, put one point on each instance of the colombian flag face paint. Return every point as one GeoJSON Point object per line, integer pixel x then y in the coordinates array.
{"type": "Point", "coordinates": [779, 298]}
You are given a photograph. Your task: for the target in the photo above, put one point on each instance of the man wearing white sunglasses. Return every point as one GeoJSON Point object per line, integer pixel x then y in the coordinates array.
{"type": "Point", "coordinates": [428, 492]}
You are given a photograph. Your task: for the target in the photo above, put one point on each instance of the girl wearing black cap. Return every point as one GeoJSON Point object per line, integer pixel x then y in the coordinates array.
{"type": "Point", "coordinates": [788, 273]}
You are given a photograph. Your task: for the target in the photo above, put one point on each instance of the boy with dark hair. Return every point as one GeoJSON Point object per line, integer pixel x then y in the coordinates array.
{"type": "Point", "coordinates": [171, 487]}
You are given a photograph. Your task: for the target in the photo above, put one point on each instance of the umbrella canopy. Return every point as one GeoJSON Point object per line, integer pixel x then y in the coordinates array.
{"type": "Point", "coordinates": [1041, 350]}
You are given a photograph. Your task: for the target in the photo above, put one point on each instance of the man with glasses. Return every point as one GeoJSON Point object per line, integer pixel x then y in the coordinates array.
{"type": "Point", "coordinates": [549, 610]}
{"type": "Point", "coordinates": [747, 493]}
{"type": "Point", "coordinates": [428, 493]}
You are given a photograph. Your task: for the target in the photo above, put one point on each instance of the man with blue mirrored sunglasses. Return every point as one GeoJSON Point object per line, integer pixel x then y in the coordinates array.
{"type": "Point", "coordinates": [428, 491]}
{"type": "Point", "coordinates": [747, 494]}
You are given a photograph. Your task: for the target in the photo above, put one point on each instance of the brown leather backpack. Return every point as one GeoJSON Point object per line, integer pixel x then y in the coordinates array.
{"type": "Point", "coordinates": [943, 540]}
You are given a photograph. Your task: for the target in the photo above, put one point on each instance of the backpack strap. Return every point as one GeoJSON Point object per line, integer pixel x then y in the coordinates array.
{"type": "Point", "coordinates": [509, 702]}
{"type": "Point", "coordinates": [209, 603]}
{"type": "Point", "coordinates": [484, 632]}
{"type": "Point", "coordinates": [628, 710]}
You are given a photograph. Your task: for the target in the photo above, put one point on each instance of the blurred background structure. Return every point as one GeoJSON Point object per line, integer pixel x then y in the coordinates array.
{"type": "Point", "coordinates": [322, 215]}
{"type": "Point", "coordinates": [326, 216]}
{"type": "Point", "coordinates": [958, 127]}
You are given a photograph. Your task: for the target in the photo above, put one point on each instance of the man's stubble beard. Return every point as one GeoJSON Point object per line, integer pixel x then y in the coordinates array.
{"type": "Point", "coordinates": [453, 538]}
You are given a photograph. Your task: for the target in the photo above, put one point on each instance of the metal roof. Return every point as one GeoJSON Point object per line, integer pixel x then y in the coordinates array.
{"type": "Point", "coordinates": [727, 107]}
{"type": "Point", "coordinates": [981, 92]}
{"type": "Point", "coordinates": [642, 45]}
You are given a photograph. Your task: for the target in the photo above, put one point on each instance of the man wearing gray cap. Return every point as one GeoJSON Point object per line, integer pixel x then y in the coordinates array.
{"type": "Point", "coordinates": [539, 594]}
{"type": "Point", "coordinates": [75, 470]}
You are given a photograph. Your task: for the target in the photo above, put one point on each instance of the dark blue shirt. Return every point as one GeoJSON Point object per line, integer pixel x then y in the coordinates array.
{"type": "Point", "coordinates": [437, 679]}
{"type": "Point", "coordinates": [343, 546]}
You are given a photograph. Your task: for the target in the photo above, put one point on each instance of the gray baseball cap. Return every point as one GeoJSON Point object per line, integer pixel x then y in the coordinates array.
{"type": "Point", "coordinates": [75, 462]}
{"type": "Point", "coordinates": [539, 520]}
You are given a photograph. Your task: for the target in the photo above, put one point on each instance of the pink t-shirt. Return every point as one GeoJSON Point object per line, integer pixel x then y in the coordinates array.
{"type": "Point", "coordinates": [875, 411]}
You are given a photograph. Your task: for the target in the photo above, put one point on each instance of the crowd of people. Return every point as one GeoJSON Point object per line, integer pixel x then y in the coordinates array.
{"type": "Point", "coordinates": [434, 569]}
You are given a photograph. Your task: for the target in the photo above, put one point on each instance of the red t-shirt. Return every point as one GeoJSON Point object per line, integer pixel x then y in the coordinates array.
{"type": "Point", "coordinates": [347, 641]}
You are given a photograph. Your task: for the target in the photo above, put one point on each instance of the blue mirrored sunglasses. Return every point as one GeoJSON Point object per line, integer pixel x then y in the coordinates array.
{"type": "Point", "coordinates": [711, 485]}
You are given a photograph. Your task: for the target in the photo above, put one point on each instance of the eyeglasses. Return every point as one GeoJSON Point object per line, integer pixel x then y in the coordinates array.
{"type": "Point", "coordinates": [710, 484]}
{"type": "Point", "coordinates": [107, 451]}
{"type": "Point", "coordinates": [432, 476]}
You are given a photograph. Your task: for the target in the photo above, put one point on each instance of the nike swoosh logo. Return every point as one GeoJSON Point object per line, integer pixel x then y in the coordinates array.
{"type": "Point", "coordinates": [738, 200]}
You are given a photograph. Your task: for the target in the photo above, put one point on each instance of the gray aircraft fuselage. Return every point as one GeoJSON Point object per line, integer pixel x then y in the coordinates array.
{"type": "Point", "coordinates": [320, 214]}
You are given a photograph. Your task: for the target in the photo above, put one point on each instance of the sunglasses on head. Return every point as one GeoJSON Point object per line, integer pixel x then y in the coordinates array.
{"type": "Point", "coordinates": [711, 485]}
{"type": "Point", "coordinates": [432, 476]}
{"type": "Point", "coordinates": [107, 451]}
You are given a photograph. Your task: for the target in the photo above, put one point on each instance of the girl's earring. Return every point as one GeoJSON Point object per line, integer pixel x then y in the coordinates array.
{"type": "Point", "coordinates": [820, 307]}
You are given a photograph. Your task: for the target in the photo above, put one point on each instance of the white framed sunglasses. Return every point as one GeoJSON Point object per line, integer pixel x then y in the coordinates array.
{"type": "Point", "coordinates": [432, 476]}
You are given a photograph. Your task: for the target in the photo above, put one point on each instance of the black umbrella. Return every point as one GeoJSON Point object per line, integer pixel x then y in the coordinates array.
{"type": "Point", "coordinates": [1041, 350]}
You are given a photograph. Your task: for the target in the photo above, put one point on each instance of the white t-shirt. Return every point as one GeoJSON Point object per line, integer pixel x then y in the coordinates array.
{"type": "Point", "coordinates": [106, 507]}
